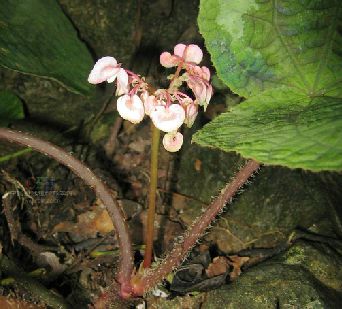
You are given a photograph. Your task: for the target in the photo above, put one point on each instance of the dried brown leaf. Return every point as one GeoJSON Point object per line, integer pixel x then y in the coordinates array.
{"type": "Point", "coordinates": [219, 266]}
{"type": "Point", "coordinates": [88, 223]}
{"type": "Point", "coordinates": [237, 262]}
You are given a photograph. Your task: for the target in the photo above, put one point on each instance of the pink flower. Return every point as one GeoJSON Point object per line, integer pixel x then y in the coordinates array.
{"type": "Point", "coordinates": [205, 73]}
{"type": "Point", "coordinates": [105, 69]}
{"type": "Point", "coordinates": [191, 112]}
{"type": "Point", "coordinates": [131, 108]}
{"type": "Point", "coordinates": [198, 82]}
{"type": "Point", "coordinates": [186, 53]}
{"type": "Point", "coordinates": [168, 119]}
{"type": "Point", "coordinates": [190, 53]}
{"type": "Point", "coordinates": [173, 141]}
{"type": "Point", "coordinates": [168, 61]}
{"type": "Point", "coordinates": [201, 72]}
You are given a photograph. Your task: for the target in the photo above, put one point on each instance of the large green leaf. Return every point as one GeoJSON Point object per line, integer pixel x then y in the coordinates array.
{"type": "Point", "coordinates": [37, 38]}
{"type": "Point", "coordinates": [296, 131]}
{"type": "Point", "coordinates": [257, 45]}
{"type": "Point", "coordinates": [11, 108]}
{"type": "Point", "coordinates": [285, 56]}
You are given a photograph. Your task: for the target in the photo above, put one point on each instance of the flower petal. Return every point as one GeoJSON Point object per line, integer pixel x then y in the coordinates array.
{"type": "Point", "coordinates": [179, 50]}
{"type": "Point", "coordinates": [105, 69]}
{"type": "Point", "coordinates": [168, 61]}
{"type": "Point", "coordinates": [193, 53]}
{"type": "Point", "coordinates": [173, 141]}
{"type": "Point", "coordinates": [122, 83]}
{"type": "Point", "coordinates": [149, 101]}
{"type": "Point", "coordinates": [168, 119]}
{"type": "Point", "coordinates": [205, 73]}
{"type": "Point", "coordinates": [198, 88]}
{"type": "Point", "coordinates": [131, 108]}
{"type": "Point", "coordinates": [191, 114]}
{"type": "Point", "coordinates": [209, 94]}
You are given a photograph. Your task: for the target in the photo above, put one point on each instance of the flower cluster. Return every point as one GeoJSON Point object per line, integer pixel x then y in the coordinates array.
{"type": "Point", "coordinates": [168, 108]}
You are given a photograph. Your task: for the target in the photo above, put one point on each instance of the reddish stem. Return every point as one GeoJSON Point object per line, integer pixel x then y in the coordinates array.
{"type": "Point", "coordinates": [195, 231]}
{"type": "Point", "coordinates": [112, 206]}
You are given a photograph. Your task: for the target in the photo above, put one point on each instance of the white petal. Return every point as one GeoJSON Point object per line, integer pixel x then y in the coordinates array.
{"type": "Point", "coordinates": [122, 83]}
{"type": "Point", "coordinates": [131, 108]}
{"type": "Point", "coordinates": [193, 54]}
{"type": "Point", "coordinates": [168, 119]}
{"type": "Point", "coordinates": [104, 69]}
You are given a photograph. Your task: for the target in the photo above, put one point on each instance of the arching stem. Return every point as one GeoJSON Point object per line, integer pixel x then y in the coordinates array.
{"type": "Point", "coordinates": [102, 192]}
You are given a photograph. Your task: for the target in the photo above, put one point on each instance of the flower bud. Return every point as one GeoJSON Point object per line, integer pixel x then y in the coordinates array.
{"type": "Point", "coordinates": [173, 141]}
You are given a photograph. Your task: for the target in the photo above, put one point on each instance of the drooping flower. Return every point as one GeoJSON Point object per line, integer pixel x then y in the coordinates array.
{"type": "Point", "coordinates": [108, 69]}
{"type": "Point", "coordinates": [191, 112]}
{"type": "Point", "coordinates": [198, 81]}
{"type": "Point", "coordinates": [105, 69]}
{"type": "Point", "coordinates": [173, 141]}
{"type": "Point", "coordinates": [185, 53]}
{"type": "Point", "coordinates": [131, 108]}
{"type": "Point", "coordinates": [168, 118]}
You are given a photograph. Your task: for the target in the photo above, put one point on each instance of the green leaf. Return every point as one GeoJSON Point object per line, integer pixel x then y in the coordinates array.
{"type": "Point", "coordinates": [295, 131]}
{"type": "Point", "coordinates": [11, 108]}
{"type": "Point", "coordinates": [259, 45]}
{"type": "Point", "coordinates": [37, 38]}
{"type": "Point", "coordinates": [285, 57]}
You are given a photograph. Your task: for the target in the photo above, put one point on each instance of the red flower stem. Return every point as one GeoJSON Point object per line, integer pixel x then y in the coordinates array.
{"type": "Point", "coordinates": [102, 192]}
{"type": "Point", "coordinates": [152, 197]}
{"type": "Point", "coordinates": [195, 231]}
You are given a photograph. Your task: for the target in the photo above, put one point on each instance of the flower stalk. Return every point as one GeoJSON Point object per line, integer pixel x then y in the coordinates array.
{"type": "Point", "coordinates": [152, 197]}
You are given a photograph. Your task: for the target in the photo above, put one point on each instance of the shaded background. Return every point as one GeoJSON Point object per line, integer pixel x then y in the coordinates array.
{"type": "Point", "coordinates": [47, 51]}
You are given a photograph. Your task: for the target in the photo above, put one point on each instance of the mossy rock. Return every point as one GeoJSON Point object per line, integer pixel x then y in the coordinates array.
{"type": "Point", "coordinates": [274, 285]}
{"type": "Point", "coordinates": [321, 260]}
{"type": "Point", "coordinates": [306, 276]}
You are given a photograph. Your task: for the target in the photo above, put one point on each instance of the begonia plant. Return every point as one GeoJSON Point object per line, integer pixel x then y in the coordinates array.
{"type": "Point", "coordinates": [168, 109]}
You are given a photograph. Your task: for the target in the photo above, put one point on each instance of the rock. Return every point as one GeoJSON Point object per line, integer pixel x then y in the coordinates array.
{"type": "Point", "coordinates": [186, 302]}
{"type": "Point", "coordinates": [47, 102]}
{"type": "Point", "coordinates": [322, 261]}
{"type": "Point", "coordinates": [307, 276]}
{"type": "Point", "coordinates": [274, 286]}
{"type": "Point", "coordinates": [108, 27]}
{"type": "Point", "coordinates": [165, 23]}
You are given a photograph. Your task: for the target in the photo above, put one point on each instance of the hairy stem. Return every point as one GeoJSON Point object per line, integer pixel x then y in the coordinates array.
{"type": "Point", "coordinates": [60, 155]}
{"type": "Point", "coordinates": [152, 197]}
{"type": "Point", "coordinates": [195, 231]}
